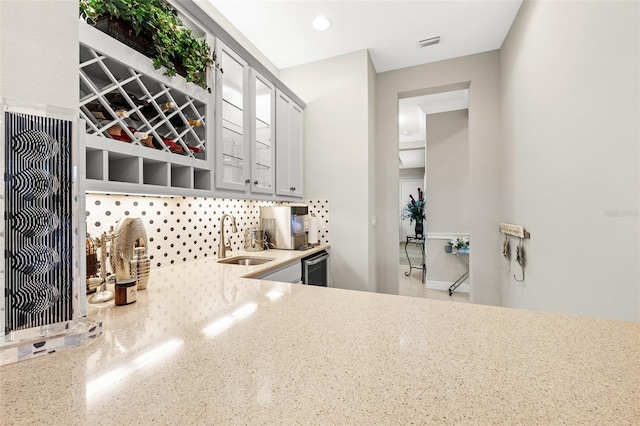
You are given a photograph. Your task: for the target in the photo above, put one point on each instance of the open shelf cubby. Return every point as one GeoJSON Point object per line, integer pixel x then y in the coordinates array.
{"type": "Point", "coordinates": [95, 166]}
{"type": "Point", "coordinates": [155, 172]}
{"type": "Point", "coordinates": [181, 176]}
{"type": "Point", "coordinates": [124, 168]}
{"type": "Point", "coordinates": [201, 179]}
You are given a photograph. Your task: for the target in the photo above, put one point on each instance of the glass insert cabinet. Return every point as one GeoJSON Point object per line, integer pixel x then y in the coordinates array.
{"type": "Point", "coordinates": [246, 135]}
{"type": "Point", "coordinates": [262, 147]}
{"type": "Point", "coordinates": [232, 164]}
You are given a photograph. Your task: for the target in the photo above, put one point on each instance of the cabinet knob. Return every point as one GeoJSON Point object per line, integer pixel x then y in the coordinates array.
{"type": "Point", "coordinates": [255, 182]}
{"type": "Point", "coordinates": [247, 181]}
{"type": "Point", "coordinates": [293, 188]}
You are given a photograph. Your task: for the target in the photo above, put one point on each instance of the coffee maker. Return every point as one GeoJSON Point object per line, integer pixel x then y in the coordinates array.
{"type": "Point", "coordinates": [286, 226]}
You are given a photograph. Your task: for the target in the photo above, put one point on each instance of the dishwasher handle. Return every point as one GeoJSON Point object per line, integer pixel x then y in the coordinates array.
{"type": "Point", "coordinates": [316, 260]}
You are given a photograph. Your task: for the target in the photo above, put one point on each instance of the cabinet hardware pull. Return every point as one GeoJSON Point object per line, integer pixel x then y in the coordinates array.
{"type": "Point", "coordinates": [247, 181]}
{"type": "Point", "coordinates": [255, 182]}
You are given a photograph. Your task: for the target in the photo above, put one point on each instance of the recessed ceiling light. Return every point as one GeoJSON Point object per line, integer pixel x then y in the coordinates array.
{"type": "Point", "coordinates": [321, 23]}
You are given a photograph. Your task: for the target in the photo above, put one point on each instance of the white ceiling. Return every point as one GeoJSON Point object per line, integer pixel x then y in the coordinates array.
{"type": "Point", "coordinates": [389, 29]}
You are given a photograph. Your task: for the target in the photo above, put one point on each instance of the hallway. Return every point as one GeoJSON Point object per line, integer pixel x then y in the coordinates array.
{"type": "Point", "coordinates": [412, 286]}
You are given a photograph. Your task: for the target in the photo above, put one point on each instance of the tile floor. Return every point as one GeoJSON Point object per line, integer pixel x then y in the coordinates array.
{"type": "Point", "coordinates": [412, 286]}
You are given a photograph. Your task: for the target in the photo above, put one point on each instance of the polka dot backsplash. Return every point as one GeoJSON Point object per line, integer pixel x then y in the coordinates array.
{"type": "Point", "coordinates": [184, 229]}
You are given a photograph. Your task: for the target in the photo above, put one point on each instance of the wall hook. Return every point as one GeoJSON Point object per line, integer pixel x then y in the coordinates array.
{"type": "Point", "coordinates": [520, 259]}
{"type": "Point", "coordinates": [505, 247]}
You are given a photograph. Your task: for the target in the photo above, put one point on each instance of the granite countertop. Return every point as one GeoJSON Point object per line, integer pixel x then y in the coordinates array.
{"type": "Point", "coordinates": [203, 345]}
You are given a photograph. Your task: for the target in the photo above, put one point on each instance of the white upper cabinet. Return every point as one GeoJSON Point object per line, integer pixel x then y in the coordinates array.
{"type": "Point", "coordinates": [289, 141]}
{"type": "Point", "coordinates": [262, 135]}
{"type": "Point", "coordinates": [147, 133]}
{"type": "Point", "coordinates": [233, 122]}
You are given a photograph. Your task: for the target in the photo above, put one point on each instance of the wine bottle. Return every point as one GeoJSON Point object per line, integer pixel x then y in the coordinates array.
{"type": "Point", "coordinates": [178, 122]}
{"type": "Point", "coordinates": [177, 148]}
{"type": "Point", "coordinates": [173, 146]}
{"type": "Point", "coordinates": [118, 133]}
{"type": "Point", "coordinates": [149, 110]}
{"type": "Point", "coordinates": [116, 99]}
{"type": "Point", "coordinates": [153, 142]}
{"type": "Point", "coordinates": [145, 138]}
{"type": "Point", "coordinates": [101, 113]}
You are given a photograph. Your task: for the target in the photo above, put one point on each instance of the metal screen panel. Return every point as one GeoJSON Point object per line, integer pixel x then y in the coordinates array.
{"type": "Point", "coordinates": [38, 221]}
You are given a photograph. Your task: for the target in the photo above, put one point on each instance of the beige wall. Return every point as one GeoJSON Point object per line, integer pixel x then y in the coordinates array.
{"type": "Point", "coordinates": [371, 140]}
{"type": "Point", "coordinates": [570, 83]}
{"type": "Point", "coordinates": [337, 152]}
{"type": "Point", "coordinates": [448, 172]}
{"type": "Point", "coordinates": [447, 190]}
{"type": "Point", "coordinates": [481, 74]}
{"type": "Point", "coordinates": [39, 52]}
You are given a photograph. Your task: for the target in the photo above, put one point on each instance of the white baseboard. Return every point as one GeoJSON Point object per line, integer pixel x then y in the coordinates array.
{"type": "Point", "coordinates": [444, 285]}
{"type": "Point", "coordinates": [446, 236]}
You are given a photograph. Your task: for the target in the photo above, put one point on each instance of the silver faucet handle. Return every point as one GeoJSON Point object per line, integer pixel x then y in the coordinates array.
{"type": "Point", "coordinates": [227, 244]}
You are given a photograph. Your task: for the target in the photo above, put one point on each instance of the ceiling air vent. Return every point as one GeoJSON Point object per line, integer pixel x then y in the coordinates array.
{"type": "Point", "coordinates": [429, 41]}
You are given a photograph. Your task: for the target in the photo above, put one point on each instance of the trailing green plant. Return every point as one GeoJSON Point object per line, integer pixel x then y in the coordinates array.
{"type": "Point", "coordinates": [173, 42]}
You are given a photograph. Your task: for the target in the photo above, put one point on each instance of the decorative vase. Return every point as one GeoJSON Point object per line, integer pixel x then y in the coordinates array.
{"type": "Point", "coordinates": [140, 267]}
{"type": "Point", "coordinates": [129, 233]}
{"type": "Point", "coordinates": [419, 229]}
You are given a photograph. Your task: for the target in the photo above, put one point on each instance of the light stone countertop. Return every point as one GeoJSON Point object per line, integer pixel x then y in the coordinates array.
{"type": "Point", "coordinates": [204, 346]}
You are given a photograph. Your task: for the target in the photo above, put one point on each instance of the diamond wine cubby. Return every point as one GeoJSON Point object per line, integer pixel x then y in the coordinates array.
{"type": "Point", "coordinates": [144, 131]}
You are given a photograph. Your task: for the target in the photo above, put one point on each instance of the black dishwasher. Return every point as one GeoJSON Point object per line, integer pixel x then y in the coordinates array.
{"type": "Point", "coordinates": [315, 269]}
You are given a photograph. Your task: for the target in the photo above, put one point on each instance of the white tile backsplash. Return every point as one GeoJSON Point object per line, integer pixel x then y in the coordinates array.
{"type": "Point", "coordinates": [183, 229]}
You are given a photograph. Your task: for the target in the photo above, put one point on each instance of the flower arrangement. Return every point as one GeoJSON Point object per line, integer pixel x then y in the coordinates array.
{"type": "Point", "coordinates": [460, 243]}
{"type": "Point", "coordinates": [414, 210]}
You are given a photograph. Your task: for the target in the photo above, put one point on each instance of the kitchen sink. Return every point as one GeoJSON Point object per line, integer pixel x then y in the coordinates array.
{"type": "Point", "coordinates": [245, 260]}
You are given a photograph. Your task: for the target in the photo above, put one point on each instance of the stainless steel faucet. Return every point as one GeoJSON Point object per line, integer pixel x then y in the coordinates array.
{"type": "Point", "coordinates": [222, 245]}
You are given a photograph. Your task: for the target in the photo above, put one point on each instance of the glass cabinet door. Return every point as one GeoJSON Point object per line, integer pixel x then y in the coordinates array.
{"type": "Point", "coordinates": [262, 152]}
{"type": "Point", "coordinates": [232, 164]}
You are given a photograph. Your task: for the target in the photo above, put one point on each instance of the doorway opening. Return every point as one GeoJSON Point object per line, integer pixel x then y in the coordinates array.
{"type": "Point", "coordinates": [433, 156]}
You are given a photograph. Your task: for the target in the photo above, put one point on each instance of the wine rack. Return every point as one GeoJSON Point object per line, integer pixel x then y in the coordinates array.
{"type": "Point", "coordinates": [159, 150]}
